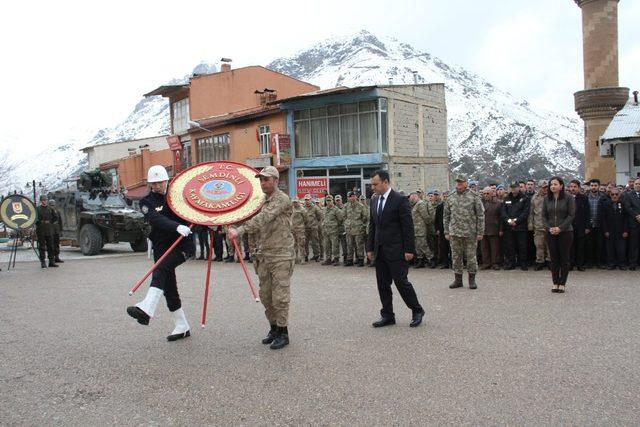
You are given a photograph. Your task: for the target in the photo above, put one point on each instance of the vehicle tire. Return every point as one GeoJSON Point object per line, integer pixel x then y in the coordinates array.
{"type": "Point", "coordinates": [90, 240]}
{"type": "Point", "coordinates": [139, 245]}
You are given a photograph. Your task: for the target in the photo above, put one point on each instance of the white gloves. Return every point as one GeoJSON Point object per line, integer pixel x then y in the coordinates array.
{"type": "Point", "coordinates": [184, 230]}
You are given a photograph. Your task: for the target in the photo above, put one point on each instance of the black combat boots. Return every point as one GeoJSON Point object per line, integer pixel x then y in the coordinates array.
{"type": "Point", "coordinates": [271, 335]}
{"type": "Point", "coordinates": [360, 263]}
{"type": "Point", "coordinates": [281, 339]}
{"type": "Point", "coordinates": [43, 264]}
{"type": "Point", "coordinates": [420, 263]}
{"type": "Point", "coordinates": [348, 263]}
{"type": "Point", "coordinates": [457, 283]}
{"type": "Point", "coordinates": [472, 281]}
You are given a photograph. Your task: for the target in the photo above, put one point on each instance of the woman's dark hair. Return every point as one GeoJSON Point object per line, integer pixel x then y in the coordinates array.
{"type": "Point", "coordinates": [382, 174]}
{"type": "Point", "coordinates": [562, 189]}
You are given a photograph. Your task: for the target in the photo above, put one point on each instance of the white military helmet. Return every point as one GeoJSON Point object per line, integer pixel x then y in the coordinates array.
{"type": "Point", "coordinates": [157, 173]}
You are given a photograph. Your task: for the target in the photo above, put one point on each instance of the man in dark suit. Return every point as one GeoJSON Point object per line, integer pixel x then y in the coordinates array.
{"type": "Point", "coordinates": [391, 244]}
{"type": "Point", "coordinates": [581, 225]}
{"type": "Point", "coordinates": [631, 204]}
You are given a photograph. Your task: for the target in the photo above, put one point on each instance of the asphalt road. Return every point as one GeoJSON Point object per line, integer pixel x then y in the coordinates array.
{"type": "Point", "coordinates": [510, 352]}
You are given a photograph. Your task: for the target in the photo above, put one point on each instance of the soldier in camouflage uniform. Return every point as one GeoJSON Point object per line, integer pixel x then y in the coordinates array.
{"type": "Point", "coordinates": [331, 226]}
{"type": "Point", "coordinates": [311, 230]}
{"type": "Point", "coordinates": [536, 224]}
{"type": "Point", "coordinates": [432, 237]}
{"type": "Point", "coordinates": [299, 220]}
{"type": "Point", "coordinates": [363, 201]}
{"type": "Point", "coordinates": [320, 207]}
{"type": "Point", "coordinates": [57, 229]}
{"type": "Point", "coordinates": [44, 231]}
{"type": "Point", "coordinates": [342, 233]}
{"type": "Point", "coordinates": [464, 228]}
{"type": "Point", "coordinates": [420, 222]}
{"type": "Point", "coordinates": [355, 223]}
{"type": "Point", "coordinates": [275, 255]}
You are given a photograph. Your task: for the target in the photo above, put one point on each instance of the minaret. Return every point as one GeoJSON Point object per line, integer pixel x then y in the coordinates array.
{"type": "Point", "coordinates": [602, 97]}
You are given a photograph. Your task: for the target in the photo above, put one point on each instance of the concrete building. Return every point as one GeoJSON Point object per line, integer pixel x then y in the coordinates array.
{"type": "Point", "coordinates": [339, 137]}
{"type": "Point", "coordinates": [225, 116]}
{"type": "Point", "coordinates": [601, 97]}
{"type": "Point", "coordinates": [622, 139]}
{"type": "Point", "coordinates": [97, 154]}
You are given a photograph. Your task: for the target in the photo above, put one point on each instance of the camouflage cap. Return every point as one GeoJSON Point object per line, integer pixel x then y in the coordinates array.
{"type": "Point", "coordinates": [307, 197]}
{"type": "Point", "coordinates": [363, 197]}
{"type": "Point", "coordinates": [268, 171]}
{"type": "Point", "coordinates": [43, 197]}
{"type": "Point", "coordinates": [352, 193]}
{"type": "Point", "coordinates": [543, 183]}
{"type": "Point", "coordinates": [294, 200]}
{"type": "Point", "coordinates": [419, 191]}
{"type": "Point", "coordinates": [436, 191]}
{"type": "Point", "coordinates": [462, 177]}
{"type": "Point", "coordinates": [328, 198]}
{"type": "Point", "coordinates": [338, 197]}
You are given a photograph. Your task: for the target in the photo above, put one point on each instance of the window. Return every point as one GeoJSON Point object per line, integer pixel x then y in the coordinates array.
{"type": "Point", "coordinates": [180, 115]}
{"type": "Point", "coordinates": [341, 129]}
{"type": "Point", "coordinates": [213, 148]}
{"type": "Point", "coordinates": [264, 136]}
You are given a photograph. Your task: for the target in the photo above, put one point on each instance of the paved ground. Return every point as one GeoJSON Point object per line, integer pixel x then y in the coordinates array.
{"type": "Point", "coordinates": [509, 353]}
{"type": "Point", "coordinates": [27, 253]}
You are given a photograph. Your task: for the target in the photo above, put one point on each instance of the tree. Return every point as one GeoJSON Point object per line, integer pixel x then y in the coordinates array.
{"type": "Point", "coordinates": [6, 170]}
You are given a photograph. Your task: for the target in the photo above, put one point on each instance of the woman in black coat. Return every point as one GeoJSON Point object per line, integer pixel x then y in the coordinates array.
{"type": "Point", "coordinates": [558, 211]}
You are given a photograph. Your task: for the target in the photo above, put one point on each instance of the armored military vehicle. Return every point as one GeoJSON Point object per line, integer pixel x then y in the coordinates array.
{"type": "Point", "coordinates": [95, 214]}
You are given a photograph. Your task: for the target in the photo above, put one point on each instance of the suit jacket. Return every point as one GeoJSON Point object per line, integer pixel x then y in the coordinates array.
{"type": "Point", "coordinates": [614, 218]}
{"type": "Point", "coordinates": [393, 229]}
{"type": "Point", "coordinates": [582, 220]}
{"type": "Point", "coordinates": [631, 203]}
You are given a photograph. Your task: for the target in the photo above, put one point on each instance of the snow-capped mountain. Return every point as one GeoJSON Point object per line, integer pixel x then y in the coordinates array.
{"type": "Point", "coordinates": [492, 135]}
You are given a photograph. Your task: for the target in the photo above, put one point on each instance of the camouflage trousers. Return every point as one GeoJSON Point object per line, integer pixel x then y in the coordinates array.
{"type": "Point", "coordinates": [343, 243]}
{"type": "Point", "coordinates": [275, 295]}
{"type": "Point", "coordinates": [300, 242]}
{"type": "Point", "coordinates": [464, 248]}
{"type": "Point", "coordinates": [311, 239]}
{"type": "Point", "coordinates": [320, 240]}
{"type": "Point", "coordinates": [331, 245]}
{"type": "Point", "coordinates": [542, 251]}
{"type": "Point", "coordinates": [423, 251]}
{"type": "Point", "coordinates": [355, 246]}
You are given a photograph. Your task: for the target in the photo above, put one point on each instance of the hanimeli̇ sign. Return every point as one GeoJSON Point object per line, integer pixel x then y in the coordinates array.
{"type": "Point", "coordinates": [314, 186]}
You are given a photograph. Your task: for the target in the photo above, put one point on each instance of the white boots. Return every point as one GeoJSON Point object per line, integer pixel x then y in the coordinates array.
{"type": "Point", "coordinates": [146, 308]}
{"type": "Point", "coordinates": [181, 329]}
{"type": "Point", "coordinates": [150, 302]}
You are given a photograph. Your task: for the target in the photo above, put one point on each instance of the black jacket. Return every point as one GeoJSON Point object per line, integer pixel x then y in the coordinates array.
{"type": "Point", "coordinates": [164, 223]}
{"type": "Point", "coordinates": [614, 218]}
{"type": "Point", "coordinates": [582, 220]}
{"type": "Point", "coordinates": [439, 219]}
{"type": "Point", "coordinates": [516, 207]}
{"type": "Point", "coordinates": [631, 203]}
{"type": "Point", "coordinates": [393, 231]}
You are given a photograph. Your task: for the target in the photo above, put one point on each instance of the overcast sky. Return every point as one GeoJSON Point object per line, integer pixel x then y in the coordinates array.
{"type": "Point", "coordinates": [84, 65]}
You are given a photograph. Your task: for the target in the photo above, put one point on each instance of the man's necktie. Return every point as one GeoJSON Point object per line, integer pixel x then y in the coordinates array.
{"type": "Point", "coordinates": [380, 207]}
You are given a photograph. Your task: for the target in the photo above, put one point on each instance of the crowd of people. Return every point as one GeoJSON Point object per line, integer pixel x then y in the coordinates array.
{"type": "Point", "coordinates": [605, 228]}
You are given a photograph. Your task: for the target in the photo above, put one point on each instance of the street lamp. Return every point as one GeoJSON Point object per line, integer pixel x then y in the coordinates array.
{"type": "Point", "coordinates": [32, 184]}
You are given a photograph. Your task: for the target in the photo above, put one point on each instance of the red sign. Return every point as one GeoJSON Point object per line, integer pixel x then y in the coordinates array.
{"type": "Point", "coordinates": [216, 193]}
{"type": "Point", "coordinates": [218, 190]}
{"type": "Point", "coordinates": [174, 143]}
{"type": "Point", "coordinates": [314, 186]}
